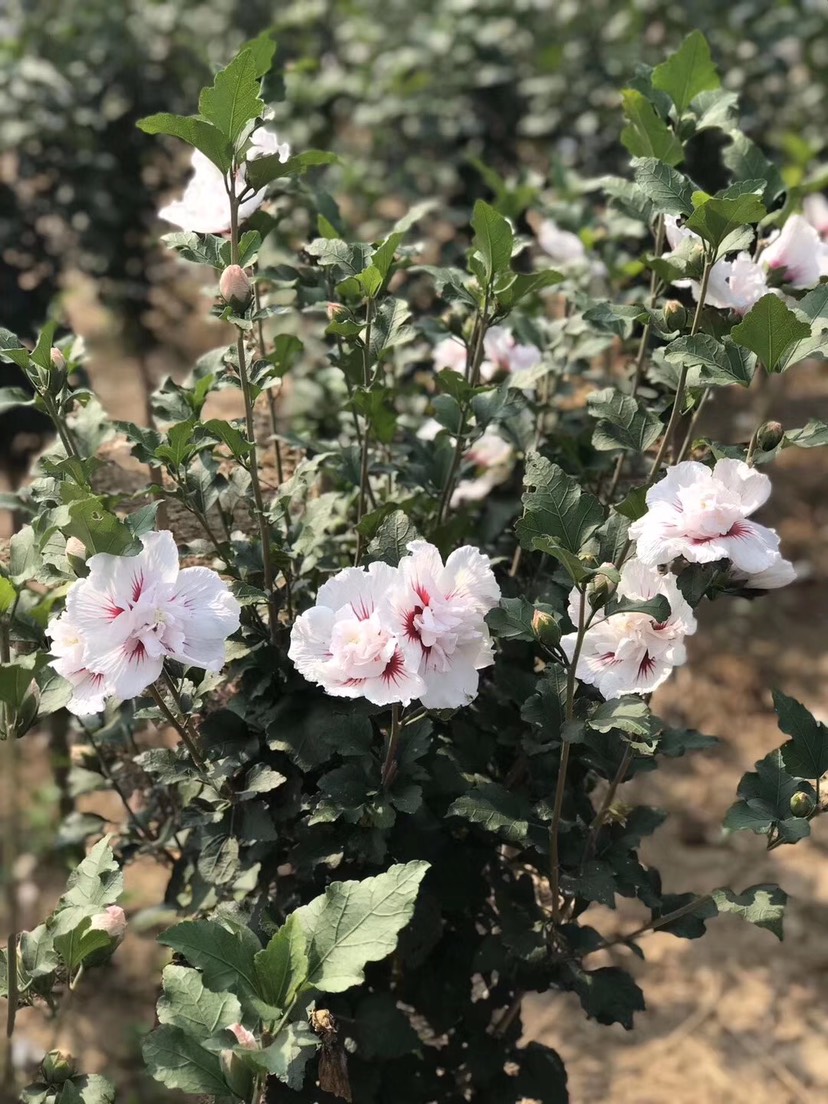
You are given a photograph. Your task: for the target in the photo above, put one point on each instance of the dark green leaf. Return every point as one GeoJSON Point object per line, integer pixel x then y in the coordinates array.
{"type": "Point", "coordinates": [687, 72]}
{"type": "Point", "coordinates": [647, 134]}
{"type": "Point", "coordinates": [557, 507]}
{"type": "Point", "coordinates": [769, 329]}
{"type": "Point", "coordinates": [806, 754]}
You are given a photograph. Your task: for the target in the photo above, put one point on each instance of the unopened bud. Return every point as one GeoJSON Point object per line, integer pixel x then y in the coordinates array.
{"type": "Point", "coordinates": [234, 286]}
{"type": "Point", "coordinates": [546, 629]}
{"type": "Point", "coordinates": [112, 921]}
{"type": "Point", "coordinates": [236, 1074]}
{"type": "Point", "coordinates": [244, 1037]}
{"type": "Point", "coordinates": [769, 436]}
{"type": "Point", "coordinates": [802, 804]}
{"type": "Point", "coordinates": [675, 314]}
{"type": "Point", "coordinates": [334, 310]}
{"type": "Point", "coordinates": [57, 1067]}
{"type": "Point", "coordinates": [76, 548]}
{"type": "Point", "coordinates": [57, 358]}
{"type": "Point", "coordinates": [601, 587]}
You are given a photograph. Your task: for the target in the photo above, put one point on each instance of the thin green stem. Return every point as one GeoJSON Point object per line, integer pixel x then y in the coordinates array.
{"type": "Point", "coordinates": [560, 787]}
{"type": "Point", "coordinates": [10, 854]}
{"type": "Point", "coordinates": [694, 421]}
{"type": "Point", "coordinates": [62, 429]}
{"type": "Point", "coordinates": [366, 431]}
{"type": "Point", "coordinates": [678, 402]}
{"type": "Point", "coordinates": [609, 797]}
{"type": "Point", "coordinates": [658, 922]}
{"type": "Point", "coordinates": [178, 725]}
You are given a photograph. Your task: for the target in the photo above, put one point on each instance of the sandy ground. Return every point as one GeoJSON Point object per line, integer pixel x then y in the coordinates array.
{"type": "Point", "coordinates": [733, 1017]}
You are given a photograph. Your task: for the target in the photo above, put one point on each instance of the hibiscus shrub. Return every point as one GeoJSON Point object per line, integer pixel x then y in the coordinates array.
{"type": "Point", "coordinates": [427, 591]}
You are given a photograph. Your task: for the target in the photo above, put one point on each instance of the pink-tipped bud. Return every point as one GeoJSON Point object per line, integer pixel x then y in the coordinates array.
{"type": "Point", "coordinates": [675, 314]}
{"type": "Point", "coordinates": [602, 586]}
{"type": "Point", "coordinates": [76, 548]}
{"type": "Point", "coordinates": [769, 436]}
{"type": "Point", "coordinates": [234, 286]}
{"type": "Point", "coordinates": [546, 629]}
{"type": "Point", "coordinates": [112, 921]}
{"type": "Point", "coordinates": [245, 1038]}
{"type": "Point", "coordinates": [333, 311]}
{"type": "Point", "coordinates": [57, 358]}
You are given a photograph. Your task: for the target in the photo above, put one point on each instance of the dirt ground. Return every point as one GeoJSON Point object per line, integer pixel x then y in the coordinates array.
{"type": "Point", "coordinates": [733, 1017]}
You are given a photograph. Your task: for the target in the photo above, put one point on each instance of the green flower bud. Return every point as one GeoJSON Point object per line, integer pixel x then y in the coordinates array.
{"type": "Point", "coordinates": [546, 629]}
{"type": "Point", "coordinates": [601, 587]}
{"type": "Point", "coordinates": [675, 314]}
{"type": "Point", "coordinates": [802, 804]}
{"type": "Point", "coordinates": [58, 1067]}
{"type": "Point", "coordinates": [769, 436]}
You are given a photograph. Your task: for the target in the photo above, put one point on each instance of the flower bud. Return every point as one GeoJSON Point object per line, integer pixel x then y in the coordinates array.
{"type": "Point", "coordinates": [802, 804]}
{"type": "Point", "coordinates": [76, 548]}
{"type": "Point", "coordinates": [57, 358]}
{"type": "Point", "coordinates": [112, 921]}
{"type": "Point", "coordinates": [546, 629]}
{"type": "Point", "coordinates": [675, 314]}
{"type": "Point", "coordinates": [234, 286]}
{"type": "Point", "coordinates": [57, 1067]}
{"type": "Point", "coordinates": [769, 436]}
{"type": "Point", "coordinates": [334, 310]}
{"type": "Point", "coordinates": [601, 587]}
{"type": "Point", "coordinates": [245, 1038]}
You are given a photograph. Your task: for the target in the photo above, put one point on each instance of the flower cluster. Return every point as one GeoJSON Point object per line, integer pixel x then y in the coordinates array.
{"type": "Point", "coordinates": [390, 635]}
{"type": "Point", "coordinates": [702, 515]}
{"type": "Point", "coordinates": [796, 253]}
{"type": "Point", "coordinates": [205, 205]}
{"type": "Point", "coordinates": [502, 354]}
{"type": "Point", "coordinates": [130, 613]}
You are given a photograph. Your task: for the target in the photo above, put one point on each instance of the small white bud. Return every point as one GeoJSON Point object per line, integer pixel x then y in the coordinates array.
{"type": "Point", "coordinates": [235, 287]}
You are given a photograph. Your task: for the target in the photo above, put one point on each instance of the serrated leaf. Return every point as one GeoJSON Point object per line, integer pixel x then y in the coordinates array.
{"type": "Point", "coordinates": [281, 968]}
{"type": "Point", "coordinates": [806, 754]}
{"type": "Point", "coordinates": [762, 905]}
{"type": "Point", "coordinates": [647, 134]}
{"type": "Point", "coordinates": [493, 238]}
{"type": "Point", "coordinates": [286, 1057]}
{"type": "Point", "coordinates": [629, 714]}
{"type": "Point", "coordinates": [233, 100]}
{"type": "Point", "coordinates": [225, 960]}
{"type": "Point", "coordinates": [177, 1061]}
{"type": "Point", "coordinates": [97, 881]}
{"type": "Point", "coordinates": [199, 1012]}
{"type": "Point", "coordinates": [392, 538]}
{"type": "Point", "coordinates": [718, 220]}
{"type": "Point", "coordinates": [719, 363]}
{"type": "Point", "coordinates": [623, 422]}
{"type": "Point", "coordinates": [355, 923]}
{"type": "Point", "coordinates": [812, 435]}
{"type": "Point", "coordinates": [197, 132]}
{"type": "Point", "coordinates": [556, 507]}
{"type": "Point", "coordinates": [747, 162]}
{"type": "Point", "coordinates": [263, 170]}
{"type": "Point", "coordinates": [495, 809]}
{"type": "Point", "coordinates": [668, 191]}
{"type": "Point", "coordinates": [608, 995]}
{"type": "Point", "coordinates": [687, 72]}
{"type": "Point", "coordinates": [769, 329]}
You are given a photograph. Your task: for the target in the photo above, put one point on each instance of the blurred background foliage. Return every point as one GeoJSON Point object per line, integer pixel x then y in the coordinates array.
{"type": "Point", "coordinates": [411, 94]}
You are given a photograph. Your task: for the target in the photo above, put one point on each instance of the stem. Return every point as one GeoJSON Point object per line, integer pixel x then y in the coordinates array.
{"type": "Point", "coordinates": [658, 922]}
{"type": "Point", "coordinates": [694, 421]}
{"type": "Point", "coordinates": [112, 780]}
{"type": "Point", "coordinates": [10, 853]}
{"type": "Point", "coordinates": [679, 399]}
{"type": "Point", "coordinates": [554, 827]}
{"type": "Point", "coordinates": [754, 441]}
{"type": "Point", "coordinates": [389, 767]}
{"type": "Point", "coordinates": [473, 361]}
{"type": "Point", "coordinates": [186, 738]}
{"type": "Point", "coordinates": [363, 463]}
{"type": "Point", "coordinates": [63, 432]}
{"type": "Point", "coordinates": [609, 797]}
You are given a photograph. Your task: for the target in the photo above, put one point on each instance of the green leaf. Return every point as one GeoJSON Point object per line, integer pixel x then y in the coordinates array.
{"type": "Point", "coordinates": [765, 801]}
{"type": "Point", "coordinates": [263, 170]}
{"type": "Point", "coordinates": [687, 72]}
{"type": "Point", "coordinates": [495, 809]}
{"type": "Point", "coordinates": [512, 619]}
{"type": "Point", "coordinates": [608, 995]}
{"type": "Point", "coordinates": [668, 191]}
{"type": "Point", "coordinates": [229, 435]}
{"type": "Point", "coordinates": [377, 406]}
{"type": "Point", "coordinates": [281, 968]}
{"type": "Point", "coordinates": [629, 714]}
{"type": "Point", "coordinates": [178, 1062]}
{"type": "Point", "coordinates": [392, 539]}
{"type": "Point", "coordinates": [812, 435]}
{"type": "Point", "coordinates": [556, 507]}
{"type": "Point", "coordinates": [623, 422]}
{"type": "Point", "coordinates": [198, 1012]}
{"type": "Point", "coordinates": [205, 137]}
{"type": "Point", "coordinates": [747, 162]}
{"type": "Point", "coordinates": [769, 329]}
{"type": "Point", "coordinates": [97, 881]}
{"type": "Point", "coordinates": [762, 905]}
{"type": "Point", "coordinates": [647, 134]}
{"type": "Point", "coordinates": [493, 238]}
{"type": "Point", "coordinates": [225, 960]}
{"type": "Point", "coordinates": [806, 753]}
{"type": "Point", "coordinates": [11, 348]}
{"type": "Point", "coordinates": [719, 363]}
{"type": "Point", "coordinates": [288, 1055]}
{"type": "Point", "coordinates": [526, 284]}
{"type": "Point", "coordinates": [233, 101]}
{"type": "Point", "coordinates": [721, 221]}
{"type": "Point", "coordinates": [355, 923]}
{"type": "Point", "coordinates": [90, 1089]}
